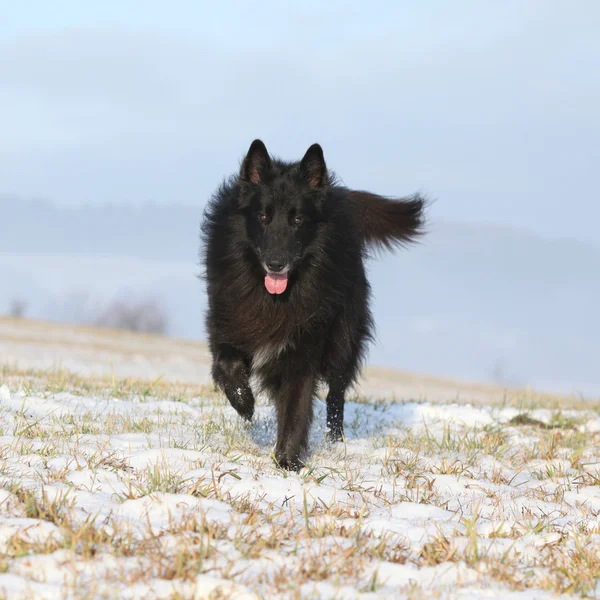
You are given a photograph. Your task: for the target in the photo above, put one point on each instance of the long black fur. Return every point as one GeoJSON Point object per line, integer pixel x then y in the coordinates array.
{"type": "Point", "coordinates": [317, 329]}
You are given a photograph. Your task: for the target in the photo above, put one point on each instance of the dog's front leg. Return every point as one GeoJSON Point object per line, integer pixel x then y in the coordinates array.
{"type": "Point", "coordinates": [231, 373]}
{"type": "Point", "coordinates": [294, 416]}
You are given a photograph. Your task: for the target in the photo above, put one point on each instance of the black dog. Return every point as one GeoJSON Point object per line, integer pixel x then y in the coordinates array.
{"type": "Point", "coordinates": [288, 299]}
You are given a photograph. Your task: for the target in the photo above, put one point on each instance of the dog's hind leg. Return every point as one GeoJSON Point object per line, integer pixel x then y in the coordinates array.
{"type": "Point", "coordinates": [341, 365]}
{"type": "Point", "coordinates": [231, 373]}
{"type": "Point", "coordinates": [336, 399]}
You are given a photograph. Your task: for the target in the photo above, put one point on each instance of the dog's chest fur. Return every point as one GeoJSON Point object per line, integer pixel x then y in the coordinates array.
{"type": "Point", "coordinates": [268, 353]}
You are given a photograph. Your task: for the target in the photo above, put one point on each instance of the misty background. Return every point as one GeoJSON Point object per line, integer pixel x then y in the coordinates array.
{"type": "Point", "coordinates": [118, 120]}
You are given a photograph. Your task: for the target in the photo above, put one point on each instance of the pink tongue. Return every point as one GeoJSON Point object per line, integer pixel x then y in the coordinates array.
{"type": "Point", "coordinates": [276, 283]}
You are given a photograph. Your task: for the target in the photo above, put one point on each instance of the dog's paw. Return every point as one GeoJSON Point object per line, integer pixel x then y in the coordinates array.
{"type": "Point", "coordinates": [289, 462]}
{"type": "Point", "coordinates": [334, 435]}
{"type": "Point", "coordinates": [246, 412]}
{"type": "Point", "coordinates": [243, 406]}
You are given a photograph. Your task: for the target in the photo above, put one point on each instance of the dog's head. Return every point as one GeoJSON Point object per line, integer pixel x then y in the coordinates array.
{"type": "Point", "coordinates": [284, 206]}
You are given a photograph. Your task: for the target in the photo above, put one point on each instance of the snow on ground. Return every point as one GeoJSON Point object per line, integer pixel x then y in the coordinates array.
{"type": "Point", "coordinates": [116, 488]}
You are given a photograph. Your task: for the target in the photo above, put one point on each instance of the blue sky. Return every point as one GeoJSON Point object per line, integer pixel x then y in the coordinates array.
{"type": "Point", "coordinates": [491, 108]}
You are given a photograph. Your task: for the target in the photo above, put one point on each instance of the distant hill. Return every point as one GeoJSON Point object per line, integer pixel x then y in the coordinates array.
{"type": "Point", "coordinates": [149, 231]}
{"type": "Point", "coordinates": [473, 300]}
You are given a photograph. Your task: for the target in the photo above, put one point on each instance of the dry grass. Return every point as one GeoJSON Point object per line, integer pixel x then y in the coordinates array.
{"type": "Point", "coordinates": [518, 493]}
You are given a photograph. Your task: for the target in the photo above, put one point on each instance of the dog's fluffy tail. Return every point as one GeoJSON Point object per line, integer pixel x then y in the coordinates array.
{"type": "Point", "coordinates": [387, 222]}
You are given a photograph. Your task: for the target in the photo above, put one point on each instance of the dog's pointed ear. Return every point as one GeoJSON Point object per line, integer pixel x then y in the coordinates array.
{"type": "Point", "coordinates": [256, 164]}
{"type": "Point", "coordinates": [313, 167]}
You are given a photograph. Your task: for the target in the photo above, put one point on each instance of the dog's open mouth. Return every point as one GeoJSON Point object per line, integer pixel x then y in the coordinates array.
{"type": "Point", "coordinates": [276, 282]}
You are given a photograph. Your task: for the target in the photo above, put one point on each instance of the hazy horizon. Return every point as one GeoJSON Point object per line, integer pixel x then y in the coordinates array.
{"type": "Point", "coordinates": [482, 302]}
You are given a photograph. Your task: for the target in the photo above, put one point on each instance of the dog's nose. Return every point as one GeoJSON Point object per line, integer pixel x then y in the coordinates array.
{"type": "Point", "coordinates": [275, 266]}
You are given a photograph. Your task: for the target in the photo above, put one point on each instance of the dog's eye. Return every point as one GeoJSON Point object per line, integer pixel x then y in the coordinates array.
{"type": "Point", "coordinates": [298, 220]}
{"type": "Point", "coordinates": [263, 218]}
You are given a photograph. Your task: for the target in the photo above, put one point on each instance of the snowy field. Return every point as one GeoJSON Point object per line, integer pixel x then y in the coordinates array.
{"type": "Point", "coordinates": [124, 475]}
